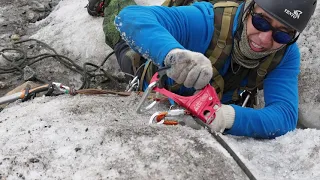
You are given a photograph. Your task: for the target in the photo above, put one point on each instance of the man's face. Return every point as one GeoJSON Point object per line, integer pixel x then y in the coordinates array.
{"type": "Point", "coordinates": [263, 41]}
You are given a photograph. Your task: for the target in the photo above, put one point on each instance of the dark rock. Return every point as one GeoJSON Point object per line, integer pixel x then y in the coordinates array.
{"type": "Point", "coordinates": [34, 160]}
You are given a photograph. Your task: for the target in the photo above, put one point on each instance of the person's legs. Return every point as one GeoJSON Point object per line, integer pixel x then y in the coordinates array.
{"type": "Point", "coordinates": [111, 10]}
{"type": "Point", "coordinates": [126, 57]}
{"type": "Point", "coordinates": [124, 54]}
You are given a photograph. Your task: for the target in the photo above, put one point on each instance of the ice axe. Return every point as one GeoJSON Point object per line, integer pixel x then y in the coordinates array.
{"type": "Point", "coordinates": [28, 93]}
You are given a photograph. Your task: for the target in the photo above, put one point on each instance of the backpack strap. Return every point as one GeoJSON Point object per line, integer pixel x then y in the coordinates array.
{"type": "Point", "coordinates": [224, 13]}
{"type": "Point", "coordinates": [222, 41]}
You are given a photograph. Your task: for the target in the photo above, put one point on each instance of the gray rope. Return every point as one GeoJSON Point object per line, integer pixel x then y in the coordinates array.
{"type": "Point", "coordinates": [225, 145]}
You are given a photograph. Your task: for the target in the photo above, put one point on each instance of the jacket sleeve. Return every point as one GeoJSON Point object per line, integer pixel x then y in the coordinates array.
{"type": "Point", "coordinates": [280, 113]}
{"type": "Point", "coordinates": [155, 30]}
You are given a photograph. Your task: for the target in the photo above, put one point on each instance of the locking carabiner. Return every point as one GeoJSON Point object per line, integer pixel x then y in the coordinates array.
{"type": "Point", "coordinates": [145, 96]}
{"type": "Point", "coordinates": [161, 117]}
{"type": "Point", "coordinates": [133, 84]}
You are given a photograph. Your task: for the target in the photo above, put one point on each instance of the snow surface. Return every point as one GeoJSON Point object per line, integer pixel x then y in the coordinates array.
{"type": "Point", "coordinates": [101, 137]}
{"type": "Point", "coordinates": [309, 86]}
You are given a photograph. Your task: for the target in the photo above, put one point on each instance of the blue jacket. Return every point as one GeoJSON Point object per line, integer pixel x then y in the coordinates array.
{"type": "Point", "coordinates": [155, 30]}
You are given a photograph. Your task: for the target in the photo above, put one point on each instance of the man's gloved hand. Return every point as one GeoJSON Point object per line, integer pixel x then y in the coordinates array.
{"type": "Point", "coordinates": [225, 116]}
{"type": "Point", "coordinates": [224, 119]}
{"type": "Point", "coordinates": [189, 68]}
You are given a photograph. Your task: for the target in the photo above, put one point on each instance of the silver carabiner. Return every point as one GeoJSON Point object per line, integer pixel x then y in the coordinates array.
{"type": "Point", "coordinates": [61, 88]}
{"type": "Point", "coordinates": [149, 89]}
{"type": "Point", "coordinates": [133, 84]}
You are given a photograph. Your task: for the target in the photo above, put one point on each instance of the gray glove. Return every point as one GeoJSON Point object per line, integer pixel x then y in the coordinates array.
{"type": "Point", "coordinates": [225, 116]}
{"type": "Point", "coordinates": [224, 119]}
{"type": "Point", "coordinates": [189, 68]}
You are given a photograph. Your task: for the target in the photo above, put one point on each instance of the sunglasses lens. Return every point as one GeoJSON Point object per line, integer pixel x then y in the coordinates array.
{"type": "Point", "coordinates": [282, 37]}
{"type": "Point", "coordinates": [260, 23]}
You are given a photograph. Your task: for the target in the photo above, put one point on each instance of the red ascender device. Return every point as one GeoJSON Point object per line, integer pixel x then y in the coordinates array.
{"type": "Point", "coordinates": [202, 105]}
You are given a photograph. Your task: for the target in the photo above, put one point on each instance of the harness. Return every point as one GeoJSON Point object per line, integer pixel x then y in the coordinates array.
{"type": "Point", "coordinates": [219, 51]}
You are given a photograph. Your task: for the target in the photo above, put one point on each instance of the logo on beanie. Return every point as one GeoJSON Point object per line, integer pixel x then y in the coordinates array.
{"type": "Point", "coordinates": [295, 14]}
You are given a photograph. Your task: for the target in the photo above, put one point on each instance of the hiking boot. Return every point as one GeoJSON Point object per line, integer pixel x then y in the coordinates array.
{"type": "Point", "coordinates": [129, 61]}
{"type": "Point", "coordinates": [95, 7]}
{"type": "Point", "coordinates": [134, 58]}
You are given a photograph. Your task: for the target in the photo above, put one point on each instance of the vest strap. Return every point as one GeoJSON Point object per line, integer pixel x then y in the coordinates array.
{"type": "Point", "coordinates": [222, 40]}
{"type": "Point", "coordinates": [263, 70]}
{"type": "Point", "coordinates": [218, 82]}
{"type": "Point", "coordinates": [221, 43]}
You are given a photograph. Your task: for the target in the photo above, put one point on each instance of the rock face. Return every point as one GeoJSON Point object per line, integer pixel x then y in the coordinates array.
{"type": "Point", "coordinates": [18, 15]}
{"type": "Point", "coordinates": [18, 20]}
{"type": "Point", "coordinates": [25, 19]}
{"type": "Point", "coordinates": [309, 85]}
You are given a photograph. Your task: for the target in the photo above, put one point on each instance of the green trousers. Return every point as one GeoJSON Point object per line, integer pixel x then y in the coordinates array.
{"type": "Point", "coordinates": [111, 10]}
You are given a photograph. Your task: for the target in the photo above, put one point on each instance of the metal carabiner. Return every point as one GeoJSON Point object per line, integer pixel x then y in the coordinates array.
{"type": "Point", "coordinates": [133, 84]}
{"type": "Point", "coordinates": [61, 88]}
{"type": "Point", "coordinates": [246, 95]}
{"type": "Point", "coordinates": [160, 117]}
{"type": "Point", "coordinates": [145, 96]}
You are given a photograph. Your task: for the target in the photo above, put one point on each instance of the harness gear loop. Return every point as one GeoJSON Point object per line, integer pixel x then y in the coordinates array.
{"type": "Point", "coordinates": [135, 60]}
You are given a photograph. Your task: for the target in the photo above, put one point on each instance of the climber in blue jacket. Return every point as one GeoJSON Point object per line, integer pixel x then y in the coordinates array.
{"type": "Point", "coordinates": [249, 45]}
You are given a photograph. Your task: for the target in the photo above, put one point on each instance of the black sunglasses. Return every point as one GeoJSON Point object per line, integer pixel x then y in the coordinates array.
{"type": "Point", "coordinates": [261, 24]}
